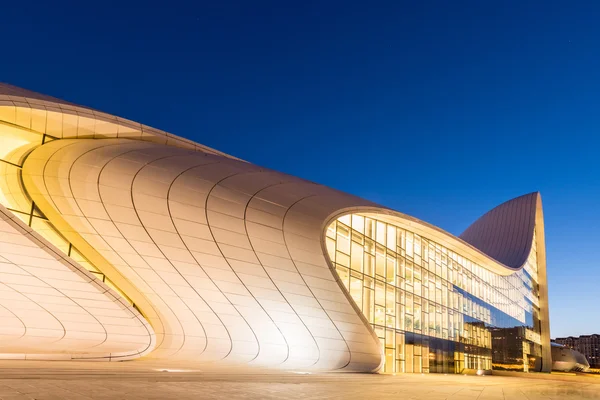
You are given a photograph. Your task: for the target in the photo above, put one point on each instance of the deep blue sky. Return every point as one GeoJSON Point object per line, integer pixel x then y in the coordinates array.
{"type": "Point", "coordinates": [439, 109]}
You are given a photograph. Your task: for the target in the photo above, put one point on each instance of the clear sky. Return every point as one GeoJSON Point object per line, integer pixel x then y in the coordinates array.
{"type": "Point", "coordinates": [439, 109]}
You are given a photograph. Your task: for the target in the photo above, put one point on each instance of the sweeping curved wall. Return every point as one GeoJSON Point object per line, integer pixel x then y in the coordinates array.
{"type": "Point", "coordinates": [225, 260]}
{"type": "Point", "coordinates": [228, 255]}
{"type": "Point", "coordinates": [52, 308]}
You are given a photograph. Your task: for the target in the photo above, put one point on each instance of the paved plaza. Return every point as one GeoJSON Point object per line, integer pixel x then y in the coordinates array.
{"type": "Point", "coordinates": [60, 380]}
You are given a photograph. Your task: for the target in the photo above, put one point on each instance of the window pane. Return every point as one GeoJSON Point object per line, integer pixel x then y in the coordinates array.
{"type": "Point", "coordinates": [391, 240]}
{"type": "Point", "coordinates": [380, 233]}
{"type": "Point", "coordinates": [358, 223]}
{"type": "Point", "coordinates": [356, 257]}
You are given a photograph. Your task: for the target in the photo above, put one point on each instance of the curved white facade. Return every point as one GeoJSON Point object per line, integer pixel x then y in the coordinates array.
{"type": "Point", "coordinates": [226, 261]}
{"type": "Point", "coordinates": [223, 252]}
{"type": "Point", "coordinates": [52, 308]}
{"type": "Point", "coordinates": [566, 359]}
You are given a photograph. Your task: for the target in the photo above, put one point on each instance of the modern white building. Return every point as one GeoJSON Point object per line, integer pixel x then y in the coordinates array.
{"type": "Point", "coordinates": [120, 241]}
{"type": "Point", "coordinates": [566, 359]}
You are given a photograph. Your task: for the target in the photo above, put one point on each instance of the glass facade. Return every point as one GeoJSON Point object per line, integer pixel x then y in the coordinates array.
{"type": "Point", "coordinates": [432, 309]}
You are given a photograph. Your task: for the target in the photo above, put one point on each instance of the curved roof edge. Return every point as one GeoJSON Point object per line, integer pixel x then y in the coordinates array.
{"type": "Point", "coordinates": [87, 122]}
{"type": "Point", "coordinates": [505, 233]}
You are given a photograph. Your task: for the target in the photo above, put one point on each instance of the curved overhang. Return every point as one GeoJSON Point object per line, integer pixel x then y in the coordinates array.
{"type": "Point", "coordinates": [425, 229]}
{"type": "Point", "coordinates": [506, 232]}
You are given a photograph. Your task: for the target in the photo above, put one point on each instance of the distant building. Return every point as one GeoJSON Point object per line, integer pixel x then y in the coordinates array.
{"type": "Point", "coordinates": [588, 345]}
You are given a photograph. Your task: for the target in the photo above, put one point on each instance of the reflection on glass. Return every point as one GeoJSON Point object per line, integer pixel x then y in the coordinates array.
{"type": "Point", "coordinates": [432, 309]}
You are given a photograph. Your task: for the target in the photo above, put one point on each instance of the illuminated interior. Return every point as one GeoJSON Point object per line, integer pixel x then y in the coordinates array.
{"type": "Point", "coordinates": [432, 309]}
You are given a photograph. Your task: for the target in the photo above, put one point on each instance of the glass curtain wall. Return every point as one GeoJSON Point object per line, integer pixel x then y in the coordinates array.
{"type": "Point", "coordinates": [432, 309]}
